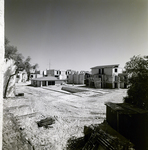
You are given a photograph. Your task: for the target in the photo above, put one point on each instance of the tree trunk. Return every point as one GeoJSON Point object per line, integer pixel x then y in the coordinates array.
{"type": "Point", "coordinates": [28, 76]}
{"type": "Point", "coordinates": [6, 88]}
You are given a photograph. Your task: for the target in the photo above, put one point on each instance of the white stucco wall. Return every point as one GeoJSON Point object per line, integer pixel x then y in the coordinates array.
{"type": "Point", "coordinates": [76, 78]}
{"type": "Point", "coordinates": [45, 72]}
{"type": "Point", "coordinates": [56, 72]}
{"type": "Point", "coordinates": [63, 75]}
{"type": "Point", "coordinates": [70, 78]}
{"type": "Point", "coordinates": [22, 76]}
{"type": "Point", "coordinates": [119, 70]}
{"type": "Point", "coordinates": [81, 78]}
{"type": "Point", "coordinates": [108, 71]}
{"type": "Point", "coordinates": [95, 71]}
{"type": "Point", "coordinates": [50, 72]}
{"type": "Point", "coordinates": [53, 72]}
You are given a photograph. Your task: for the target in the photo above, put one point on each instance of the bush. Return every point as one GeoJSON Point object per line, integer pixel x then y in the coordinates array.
{"type": "Point", "coordinates": [137, 70]}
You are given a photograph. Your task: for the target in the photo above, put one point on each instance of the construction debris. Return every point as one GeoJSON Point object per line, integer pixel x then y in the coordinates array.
{"type": "Point", "coordinates": [102, 137]}
{"type": "Point", "coordinates": [46, 122]}
{"type": "Point", "coordinates": [73, 89]}
{"type": "Point", "coordinates": [20, 94]}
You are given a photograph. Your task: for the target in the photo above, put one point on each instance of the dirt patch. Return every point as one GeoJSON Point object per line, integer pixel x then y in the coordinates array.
{"type": "Point", "coordinates": [71, 113]}
{"type": "Point", "coordinates": [12, 135]}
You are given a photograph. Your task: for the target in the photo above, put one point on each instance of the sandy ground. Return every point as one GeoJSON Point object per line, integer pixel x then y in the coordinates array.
{"type": "Point", "coordinates": [70, 111]}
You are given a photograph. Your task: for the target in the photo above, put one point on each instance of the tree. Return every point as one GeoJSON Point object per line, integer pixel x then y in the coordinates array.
{"type": "Point", "coordinates": [137, 70]}
{"type": "Point", "coordinates": [28, 67]}
{"type": "Point", "coordinates": [35, 66]}
{"type": "Point", "coordinates": [11, 54]}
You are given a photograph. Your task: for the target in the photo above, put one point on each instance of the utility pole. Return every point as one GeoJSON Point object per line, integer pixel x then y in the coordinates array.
{"type": "Point", "coordinates": [49, 64]}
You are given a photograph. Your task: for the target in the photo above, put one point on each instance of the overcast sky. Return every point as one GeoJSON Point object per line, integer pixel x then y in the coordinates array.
{"type": "Point", "coordinates": [77, 34]}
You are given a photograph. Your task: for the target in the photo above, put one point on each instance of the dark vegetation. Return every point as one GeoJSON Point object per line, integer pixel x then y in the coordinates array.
{"type": "Point", "coordinates": [137, 70]}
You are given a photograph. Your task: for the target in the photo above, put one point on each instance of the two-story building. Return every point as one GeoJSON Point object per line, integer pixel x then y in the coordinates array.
{"type": "Point", "coordinates": [36, 74]}
{"type": "Point", "coordinates": [105, 76]}
{"type": "Point", "coordinates": [53, 73]}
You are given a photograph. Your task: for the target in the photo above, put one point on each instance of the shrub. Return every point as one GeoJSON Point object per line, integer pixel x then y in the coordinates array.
{"type": "Point", "coordinates": [137, 70]}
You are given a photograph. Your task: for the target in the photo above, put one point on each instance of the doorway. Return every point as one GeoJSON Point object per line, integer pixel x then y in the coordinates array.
{"type": "Point", "coordinates": [51, 82]}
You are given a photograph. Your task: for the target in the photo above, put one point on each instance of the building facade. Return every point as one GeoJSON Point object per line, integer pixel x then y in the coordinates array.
{"type": "Point", "coordinates": [78, 78]}
{"type": "Point", "coordinates": [123, 80]}
{"type": "Point", "coordinates": [57, 73]}
{"type": "Point", "coordinates": [106, 76]}
{"type": "Point", "coordinates": [46, 81]}
{"type": "Point", "coordinates": [53, 73]}
{"type": "Point", "coordinates": [21, 76]}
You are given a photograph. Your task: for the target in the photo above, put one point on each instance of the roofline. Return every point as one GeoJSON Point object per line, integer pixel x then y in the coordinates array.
{"type": "Point", "coordinates": [106, 66]}
{"type": "Point", "coordinates": [35, 79]}
{"type": "Point", "coordinates": [53, 70]}
{"type": "Point", "coordinates": [47, 79]}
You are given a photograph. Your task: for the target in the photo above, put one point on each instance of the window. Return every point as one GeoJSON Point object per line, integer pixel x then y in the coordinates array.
{"type": "Point", "coordinates": [116, 70]}
{"type": "Point", "coordinates": [102, 70]}
{"type": "Point", "coordinates": [99, 71]}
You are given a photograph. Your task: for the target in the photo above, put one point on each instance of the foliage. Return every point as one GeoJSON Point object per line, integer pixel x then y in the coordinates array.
{"type": "Point", "coordinates": [28, 66]}
{"type": "Point", "coordinates": [137, 70]}
{"type": "Point", "coordinates": [11, 53]}
{"type": "Point", "coordinates": [35, 66]}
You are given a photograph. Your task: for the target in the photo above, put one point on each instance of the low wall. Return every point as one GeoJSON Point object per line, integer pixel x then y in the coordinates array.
{"type": "Point", "coordinates": [72, 89]}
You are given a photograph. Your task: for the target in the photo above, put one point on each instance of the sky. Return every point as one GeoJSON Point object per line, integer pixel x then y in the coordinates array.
{"type": "Point", "coordinates": [77, 34]}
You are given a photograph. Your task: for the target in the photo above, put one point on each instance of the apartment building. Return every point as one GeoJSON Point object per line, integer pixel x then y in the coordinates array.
{"type": "Point", "coordinates": [53, 72]}
{"type": "Point", "coordinates": [106, 76]}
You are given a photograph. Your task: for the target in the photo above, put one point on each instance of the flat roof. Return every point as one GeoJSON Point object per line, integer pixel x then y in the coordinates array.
{"type": "Point", "coordinates": [125, 108]}
{"type": "Point", "coordinates": [106, 66]}
{"type": "Point", "coordinates": [49, 78]}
